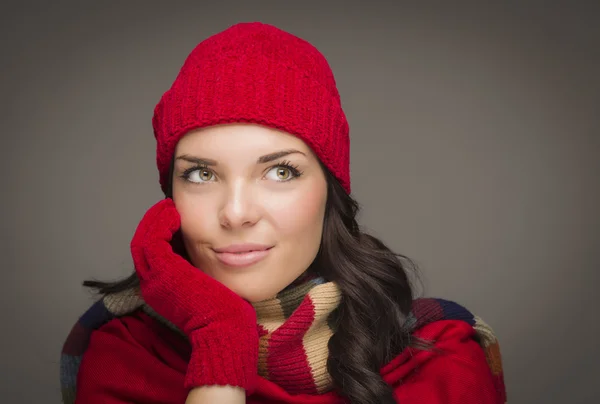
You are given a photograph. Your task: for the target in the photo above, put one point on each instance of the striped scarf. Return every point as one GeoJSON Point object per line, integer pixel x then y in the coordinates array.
{"type": "Point", "coordinates": [294, 328]}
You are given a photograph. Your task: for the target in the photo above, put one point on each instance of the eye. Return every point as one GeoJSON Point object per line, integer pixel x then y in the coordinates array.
{"type": "Point", "coordinates": [198, 175]}
{"type": "Point", "coordinates": [283, 172]}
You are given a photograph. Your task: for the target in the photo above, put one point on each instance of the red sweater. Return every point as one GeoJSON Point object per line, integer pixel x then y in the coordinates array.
{"type": "Point", "coordinates": [136, 359]}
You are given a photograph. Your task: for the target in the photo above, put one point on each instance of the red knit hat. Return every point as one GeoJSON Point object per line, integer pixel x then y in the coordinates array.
{"type": "Point", "coordinates": [255, 72]}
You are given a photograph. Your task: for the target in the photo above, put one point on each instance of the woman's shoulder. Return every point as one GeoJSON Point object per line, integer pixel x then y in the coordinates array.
{"type": "Point", "coordinates": [437, 315]}
{"type": "Point", "coordinates": [139, 331]}
{"type": "Point", "coordinates": [97, 315]}
{"type": "Point", "coordinates": [123, 315]}
{"type": "Point", "coordinates": [104, 348]}
{"type": "Point", "coordinates": [427, 313]}
{"type": "Point", "coordinates": [449, 344]}
{"type": "Point", "coordinates": [115, 319]}
{"type": "Point", "coordinates": [426, 310]}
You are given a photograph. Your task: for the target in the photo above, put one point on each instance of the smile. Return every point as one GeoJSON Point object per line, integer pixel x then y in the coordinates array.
{"type": "Point", "coordinates": [242, 255]}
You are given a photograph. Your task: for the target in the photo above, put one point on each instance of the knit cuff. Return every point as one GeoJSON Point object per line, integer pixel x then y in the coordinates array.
{"type": "Point", "coordinates": [223, 357]}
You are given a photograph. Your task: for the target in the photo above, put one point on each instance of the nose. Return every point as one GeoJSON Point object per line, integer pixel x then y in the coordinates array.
{"type": "Point", "coordinates": [239, 207]}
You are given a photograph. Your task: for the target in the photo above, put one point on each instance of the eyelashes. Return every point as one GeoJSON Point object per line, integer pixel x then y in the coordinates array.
{"type": "Point", "coordinates": [198, 167]}
{"type": "Point", "coordinates": [293, 169]}
{"type": "Point", "coordinates": [287, 165]}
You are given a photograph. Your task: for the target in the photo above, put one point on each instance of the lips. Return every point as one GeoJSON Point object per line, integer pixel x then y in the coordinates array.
{"type": "Point", "coordinates": [242, 255]}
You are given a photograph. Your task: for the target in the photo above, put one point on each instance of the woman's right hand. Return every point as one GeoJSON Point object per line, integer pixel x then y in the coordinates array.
{"type": "Point", "coordinates": [220, 325]}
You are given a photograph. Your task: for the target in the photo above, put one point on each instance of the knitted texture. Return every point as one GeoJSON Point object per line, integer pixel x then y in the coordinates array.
{"type": "Point", "coordinates": [294, 335]}
{"type": "Point", "coordinates": [428, 310]}
{"type": "Point", "coordinates": [255, 72]}
{"type": "Point", "coordinates": [220, 325]}
{"type": "Point", "coordinates": [295, 331]}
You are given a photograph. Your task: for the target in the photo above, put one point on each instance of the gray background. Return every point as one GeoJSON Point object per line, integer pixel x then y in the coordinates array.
{"type": "Point", "coordinates": [475, 151]}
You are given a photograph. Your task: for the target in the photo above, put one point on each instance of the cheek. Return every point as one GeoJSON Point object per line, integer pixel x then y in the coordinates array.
{"type": "Point", "coordinates": [300, 218]}
{"type": "Point", "coordinates": [195, 219]}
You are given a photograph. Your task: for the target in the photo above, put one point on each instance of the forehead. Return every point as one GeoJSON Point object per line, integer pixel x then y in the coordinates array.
{"type": "Point", "coordinates": [252, 138]}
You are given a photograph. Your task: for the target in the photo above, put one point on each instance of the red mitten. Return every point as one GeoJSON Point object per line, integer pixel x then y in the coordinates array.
{"type": "Point", "coordinates": [220, 325]}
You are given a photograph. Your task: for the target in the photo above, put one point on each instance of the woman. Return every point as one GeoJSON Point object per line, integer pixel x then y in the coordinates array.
{"type": "Point", "coordinates": [253, 281]}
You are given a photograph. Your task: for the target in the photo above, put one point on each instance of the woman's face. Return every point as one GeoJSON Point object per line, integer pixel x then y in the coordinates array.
{"type": "Point", "coordinates": [252, 203]}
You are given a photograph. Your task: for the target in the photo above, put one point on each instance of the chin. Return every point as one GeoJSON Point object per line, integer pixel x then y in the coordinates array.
{"type": "Point", "coordinates": [252, 291]}
{"type": "Point", "coordinates": [254, 295]}
{"type": "Point", "coordinates": [252, 285]}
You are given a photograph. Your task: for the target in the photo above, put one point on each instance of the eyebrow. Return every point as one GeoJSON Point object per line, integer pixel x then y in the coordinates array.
{"type": "Point", "coordinates": [261, 160]}
{"type": "Point", "coordinates": [277, 155]}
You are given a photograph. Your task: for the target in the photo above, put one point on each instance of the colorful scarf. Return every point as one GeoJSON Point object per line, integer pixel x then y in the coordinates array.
{"type": "Point", "coordinates": [294, 329]}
